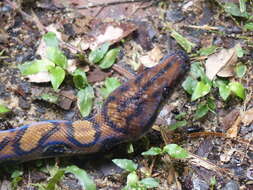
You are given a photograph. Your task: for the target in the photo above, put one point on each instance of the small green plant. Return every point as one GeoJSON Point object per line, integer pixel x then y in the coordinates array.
{"type": "Point", "coordinates": [213, 182]}
{"type": "Point", "coordinates": [207, 51]}
{"type": "Point", "coordinates": [4, 109]}
{"type": "Point", "coordinates": [56, 175]}
{"type": "Point", "coordinates": [16, 177]}
{"type": "Point", "coordinates": [55, 62]}
{"type": "Point", "coordinates": [184, 43]}
{"type": "Point", "coordinates": [133, 181]}
{"type": "Point", "coordinates": [56, 65]}
{"type": "Point", "coordinates": [104, 58]}
{"type": "Point", "coordinates": [173, 150]}
{"type": "Point", "coordinates": [109, 86]}
{"type": "Point", "coordinates": [198, 85]}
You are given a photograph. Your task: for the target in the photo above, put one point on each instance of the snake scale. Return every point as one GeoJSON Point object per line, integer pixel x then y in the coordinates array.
{"type": "Point", "coordinates": [127, 114]}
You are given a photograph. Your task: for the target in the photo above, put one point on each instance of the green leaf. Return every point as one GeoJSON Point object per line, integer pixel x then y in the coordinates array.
{"type": "Point", "coordinates": [213, 181]}
{"type": "Point", "coordinates": [248, 26]}
{"type": "Point", "coordinates": [132, 179]}
{"type": "Point", "coordinates": [57, 75]}
{"type": "Point", "coordinates": [224, 90]}
{"type": "Point", "coordinates": [149, 182]}
{"type": "Point", "coordinates": [180, 116]}
{"type": "Point", "coordinates": [177, 125]}
{"type": "Point", "coordinates": [55, 179]}
{"type": "Point", "coordinates": [175, 151]}
{"type": "Point", "coordinates": [234, 10]}
{"type": "Point", "coordinates": [85, 100]}
{"type": "Point", "coordinates": [197, 70]}
{"type": "Point", "coordinates": [36, 66]}
{"type": "Point", "coordinates": [16, 177]}
{"type": "Point", "coordinates": [56, 56]}
{"type": "Point", "coordinates": [238, 89]}
{"type": "Point", "coordinates": [82, 177]}
{"type": "Point", "coordinates": [80, 79]}
{"type": "Point", "coordinates": [186, 44]}
{"type": "Point", "coordinates": [49, 98]}
{"type": "Point", "coordinates": [130, 148]}
{"type": "Point", "coordinates": [207, 51]}
{"type": "Point", "coordinates": [98, 54]}
{"type": "Point", "coordinates": [242, 4]}
{"type": "Point", "coordinates": [125, 164]}
{"type": "Point", "coordinates": [110, 85]}
{"type": "Point", "coordinates": [211, 105]}
{"type": "Point", "coordinates": [201, 90]}
{"type": "Point", "coordinates": [4, 109]}
{"type": "Point", "coordinates": [2, 52]}
{"type": "Point", "coordinates": [189, 84]}
{"type": "Point", "coordinates": [201, 111]}
{"type": "Point", "coordinates": [240, 70]}
{"type": "Point", "coordinates": [109, 58]}
{"type": "Point", "coordinates": [239, 50]}
{"type": "Point", "coordinates": [153, 151]}
{"type": "Point", "coordinates": [51, 39]}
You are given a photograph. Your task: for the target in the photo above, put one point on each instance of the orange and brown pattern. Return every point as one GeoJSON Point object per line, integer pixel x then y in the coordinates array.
{"type": "Point", "coordinates": [127, 114]}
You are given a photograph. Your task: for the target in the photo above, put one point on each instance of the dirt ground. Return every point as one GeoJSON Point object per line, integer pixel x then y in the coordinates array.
{"type": "Point", "coordinates": [220, 143]}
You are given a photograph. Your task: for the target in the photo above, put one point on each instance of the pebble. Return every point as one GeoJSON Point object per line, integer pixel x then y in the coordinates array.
{"type": "Point", "coordinates": [174, 16]}
{"type": "Point", "coordinates": [231, 185]}
{"type": "Point", "coordinates": [200, 184]}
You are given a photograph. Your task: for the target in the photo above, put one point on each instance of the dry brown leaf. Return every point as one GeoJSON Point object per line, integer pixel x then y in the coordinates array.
{"type": "Point", "coordinates": [111, 32]}
{"type": "Point", "coordinates": [233, 131]}
{"type": "Point", "coordinates": [226, 156]}
{"type": "Point", "coordinates": [221, 63]}
{"type": "Point", "coordinates": [247, 117]}
{"type": "Point", "coordinates": [152, 57]}
{"type": "Point", "coordinates": [229, 119]}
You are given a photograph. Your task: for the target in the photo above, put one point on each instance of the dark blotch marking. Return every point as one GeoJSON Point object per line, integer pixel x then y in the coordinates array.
{"type": "Point", "coordinates": [21, 152]}
{"type": "Point", "coordinates": [123, 88]}
{"type": "Point", "coordinates": [107, 119]}
{"type": "Point", "coordinates": [4, 142]}
{"type": "Point", "coordinates": [137, 80]}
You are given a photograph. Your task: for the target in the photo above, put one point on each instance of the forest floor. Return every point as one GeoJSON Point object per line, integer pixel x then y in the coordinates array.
{"type": "Point", "coordinates": [209, 113]}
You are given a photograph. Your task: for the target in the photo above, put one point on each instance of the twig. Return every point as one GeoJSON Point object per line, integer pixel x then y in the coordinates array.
{"type": "Point", "coordinates": [123, 71]}
{"type": "Point", "coordinates": [199, 161]}
{"type": "Point", "coordinates": [104, 4]}
{"type": "Point", "coordinates": [204, 27]}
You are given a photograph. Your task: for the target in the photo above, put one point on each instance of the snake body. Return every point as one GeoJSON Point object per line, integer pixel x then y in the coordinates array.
{"type": "Point", "coordinates": [127, 114]}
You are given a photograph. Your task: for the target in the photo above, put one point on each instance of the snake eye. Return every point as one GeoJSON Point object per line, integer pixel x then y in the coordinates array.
{"type": "Point", "coordinates": [166, 91]}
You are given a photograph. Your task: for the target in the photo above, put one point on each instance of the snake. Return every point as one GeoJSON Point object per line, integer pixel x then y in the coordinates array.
{"type": "Point", "coordinates": [126, 115]}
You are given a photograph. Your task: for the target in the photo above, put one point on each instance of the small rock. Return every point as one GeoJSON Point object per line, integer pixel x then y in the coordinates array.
{"type": "Point", "coordinates": [69, 116]}
{"type": "Point", "coordinates": [174, 16]}
{"type": "Point", "coordinates": [68, 29]}
{"type": "Point", "coordinates": [232, 185]}
{"type": "Point", "coordinates": [249, 173]}
{"type": "Point", "coordinates": [199, 184]}
{"type": "Point", "coordinates": [23, 103]}
{"type": "Point", "coordinates": [5, 8]}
